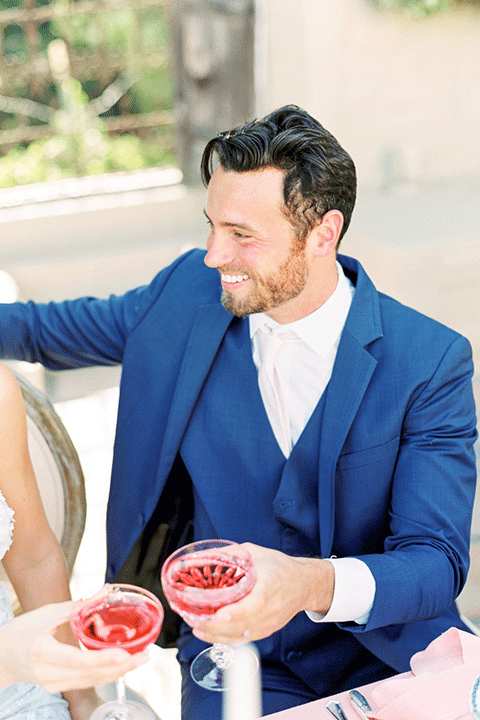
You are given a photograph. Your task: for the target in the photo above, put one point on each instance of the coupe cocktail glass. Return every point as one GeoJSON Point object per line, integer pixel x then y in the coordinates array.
{"type": "Point", "coordinates": [123, 616]}
{"type": "Point", "coordinates": [199, 579]}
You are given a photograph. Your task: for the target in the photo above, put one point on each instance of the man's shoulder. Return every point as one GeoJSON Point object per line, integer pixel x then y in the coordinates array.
{"type": "Point", "coordinates": [413, 321]}
{"type": "Point", "coordinates": [415, 340]}
{"type": "Point", "coordinates": [395, 315]}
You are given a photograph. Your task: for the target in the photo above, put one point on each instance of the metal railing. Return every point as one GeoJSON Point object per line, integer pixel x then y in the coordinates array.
{"type": "Point", "coordinates": [128, 39]}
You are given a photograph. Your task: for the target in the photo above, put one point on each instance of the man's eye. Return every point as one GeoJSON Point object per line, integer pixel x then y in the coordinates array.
{"type": "Point", "coordinates": [240, 236]}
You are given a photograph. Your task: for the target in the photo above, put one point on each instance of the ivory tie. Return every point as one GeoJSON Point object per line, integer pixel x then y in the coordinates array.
{"type": "Point", "coordinates": [276, 356]}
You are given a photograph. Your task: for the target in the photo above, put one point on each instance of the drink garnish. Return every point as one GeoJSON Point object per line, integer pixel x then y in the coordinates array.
{"type": "Point", "coordinates": [206, 575]}
{"type": "Point", "coordinates": [103, 630]}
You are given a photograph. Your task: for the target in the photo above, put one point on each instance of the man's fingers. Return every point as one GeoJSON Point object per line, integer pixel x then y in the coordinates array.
{"type": "Point", "coordinates": [229, 634]}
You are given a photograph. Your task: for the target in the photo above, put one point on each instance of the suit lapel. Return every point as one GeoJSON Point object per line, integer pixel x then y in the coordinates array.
{"type": "Point", "coordinates": [353, 369]}
{"type": "Point", "coordinates": [207, 333]}
{"type": "Point", "coordinates": [351, 375]}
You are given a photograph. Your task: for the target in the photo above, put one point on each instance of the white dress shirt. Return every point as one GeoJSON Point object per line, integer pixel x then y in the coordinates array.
{"type": "Point", "coordinates": [309, 353]}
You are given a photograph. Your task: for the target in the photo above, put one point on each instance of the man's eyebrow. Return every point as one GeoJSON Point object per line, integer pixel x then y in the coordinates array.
{"type": "Point", "coordinates": [232, 224]}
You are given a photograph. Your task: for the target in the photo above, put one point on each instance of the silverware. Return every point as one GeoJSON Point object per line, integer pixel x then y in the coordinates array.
{"type": "Point", "coordinates": [336, 710]}
{"type": "Point", "coordinates": [360, 703]}
{"type": "Point", "coordinates": [475, 697]}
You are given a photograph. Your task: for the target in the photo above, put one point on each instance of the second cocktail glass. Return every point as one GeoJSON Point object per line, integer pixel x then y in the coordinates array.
{"type": "Point", "coordinates": [199, 579]}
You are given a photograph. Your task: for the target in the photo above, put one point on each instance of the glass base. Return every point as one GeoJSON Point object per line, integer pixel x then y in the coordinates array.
{"type": "Point", "coordinates": [129, 710]}
{"type": "Point", "coordinates": [208, 668]}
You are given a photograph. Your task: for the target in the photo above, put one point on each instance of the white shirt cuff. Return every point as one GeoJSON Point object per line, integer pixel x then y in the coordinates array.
{"type": "Point", "coordinates": [353, 594]}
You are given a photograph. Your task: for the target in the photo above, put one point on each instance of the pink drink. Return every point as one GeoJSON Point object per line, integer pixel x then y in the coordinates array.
{"type": "Point", "coordinates": [122, 620]}
{"type": "Point", "coordinates": [198, 584]}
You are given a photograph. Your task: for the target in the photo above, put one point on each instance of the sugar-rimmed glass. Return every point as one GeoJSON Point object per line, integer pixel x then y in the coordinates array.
{"type": "Point", "coordinates": [199, 579]}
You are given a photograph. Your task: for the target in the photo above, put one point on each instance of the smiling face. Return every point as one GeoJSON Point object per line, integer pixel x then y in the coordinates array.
{"type": "Point", "coordinates": [263, 265]}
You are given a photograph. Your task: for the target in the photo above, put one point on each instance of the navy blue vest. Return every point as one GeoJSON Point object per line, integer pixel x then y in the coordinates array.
{"type": "Point", "coordinates": [245, 490]}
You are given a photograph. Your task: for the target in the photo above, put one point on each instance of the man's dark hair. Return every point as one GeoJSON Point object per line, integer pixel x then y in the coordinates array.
{"type": "Point", "coordinates": [319, 175]}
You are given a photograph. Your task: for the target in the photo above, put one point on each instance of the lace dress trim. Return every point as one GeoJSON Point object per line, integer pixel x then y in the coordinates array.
{"type": "Point", "coordinates": [7, 521]}
{"type": "Point", "coordinates": [22, 701]}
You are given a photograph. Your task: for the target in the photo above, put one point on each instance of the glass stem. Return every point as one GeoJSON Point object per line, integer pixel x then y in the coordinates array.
{"type": "Point", "coordinates": [120, 685]}
{"type": "Point", "coordinates": [222, 655]}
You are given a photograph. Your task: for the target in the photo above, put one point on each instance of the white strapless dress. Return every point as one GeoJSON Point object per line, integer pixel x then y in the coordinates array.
{"type": "Point", "coordinates": [22, 701]}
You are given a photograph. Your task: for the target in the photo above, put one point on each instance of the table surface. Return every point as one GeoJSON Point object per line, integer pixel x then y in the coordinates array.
{"type": "Point", "coordinates": [316, 710]}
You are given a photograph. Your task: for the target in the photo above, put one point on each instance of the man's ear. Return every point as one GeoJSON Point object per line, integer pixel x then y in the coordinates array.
{"type": "Point", "coordinates": [326, 234]}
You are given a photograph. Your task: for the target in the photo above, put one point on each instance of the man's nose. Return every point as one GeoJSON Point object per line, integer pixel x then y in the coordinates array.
{"type": "Point", "coordinates": [219, 251]}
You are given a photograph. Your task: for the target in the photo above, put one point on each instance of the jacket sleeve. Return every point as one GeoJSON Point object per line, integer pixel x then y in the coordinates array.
{"type": "Point", "coordinates": [76, 333]}
{"type": "Point", "coordinates": [426, 553]}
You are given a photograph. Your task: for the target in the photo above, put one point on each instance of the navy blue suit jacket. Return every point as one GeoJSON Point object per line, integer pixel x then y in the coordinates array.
{"type": "Point", "coordinates": [397, 477]}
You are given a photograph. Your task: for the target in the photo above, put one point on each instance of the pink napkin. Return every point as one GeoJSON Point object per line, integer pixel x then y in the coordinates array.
{"type": "Point", "coordinates": [439, 686]}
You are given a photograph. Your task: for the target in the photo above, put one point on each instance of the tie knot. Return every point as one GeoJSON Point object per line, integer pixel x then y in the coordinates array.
{"type": "Point", "coordinates": [271, 339]}
{"type": "Point", "coordinates": [276, 346]}
{"type": "Point", "coordinates": [265, 331]}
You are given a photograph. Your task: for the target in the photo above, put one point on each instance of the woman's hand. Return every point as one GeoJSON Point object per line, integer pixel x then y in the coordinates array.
{"type": "Point", "coordinates": [30, 652]}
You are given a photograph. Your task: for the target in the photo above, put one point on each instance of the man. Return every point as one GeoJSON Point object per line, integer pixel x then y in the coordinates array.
{"type": "Point", "coordinates": [342, 452]}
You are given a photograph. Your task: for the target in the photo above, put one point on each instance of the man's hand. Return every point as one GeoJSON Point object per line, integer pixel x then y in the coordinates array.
{"type": "Point", "coordinates": [284, 587]}
{"type": "Point", "coordinates": [30, 652]}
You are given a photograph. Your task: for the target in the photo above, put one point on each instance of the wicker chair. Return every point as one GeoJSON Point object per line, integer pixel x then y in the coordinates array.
{"type": "Point", "coordinates": [58, 472]}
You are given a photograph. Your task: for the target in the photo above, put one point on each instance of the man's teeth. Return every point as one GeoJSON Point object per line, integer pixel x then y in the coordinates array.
{"type": "Point", "coordinates": [233, 278]}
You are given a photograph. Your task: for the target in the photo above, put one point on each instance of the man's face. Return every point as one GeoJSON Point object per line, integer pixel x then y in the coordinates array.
{"type": "Point", "coordinates": [263, 267]}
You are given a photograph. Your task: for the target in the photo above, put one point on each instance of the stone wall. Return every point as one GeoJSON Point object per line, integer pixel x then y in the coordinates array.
{"type": "Point", "coordinates": [402, 95]}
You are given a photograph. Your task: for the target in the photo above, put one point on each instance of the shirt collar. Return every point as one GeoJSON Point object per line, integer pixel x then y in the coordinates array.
{"type": "Point", "coordinates": [321, 329]}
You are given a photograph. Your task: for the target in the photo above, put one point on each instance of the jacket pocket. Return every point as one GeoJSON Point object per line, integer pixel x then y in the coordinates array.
{"type": "Point", "coordinates": [368, 456]}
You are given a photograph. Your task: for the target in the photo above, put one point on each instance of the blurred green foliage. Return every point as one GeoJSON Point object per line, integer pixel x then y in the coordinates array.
{"type": "Point", "coordinates": [80, 143]}
{"type": "Point", "coordinates": [421, 8]}
{"type": "Point", "coordinates": [90, 152]}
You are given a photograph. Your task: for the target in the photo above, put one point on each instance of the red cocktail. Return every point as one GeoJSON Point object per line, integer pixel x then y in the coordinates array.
{"type": "Point", "coordinates": [129, 621]}
{"type": "Point", "coordinates": [123, 616]}
{"type": "Point", "coordinates": [198, 580]}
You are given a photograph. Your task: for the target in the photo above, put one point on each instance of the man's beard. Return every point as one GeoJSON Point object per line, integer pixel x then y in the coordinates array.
{"type": "Point", "coordinates": [285, 284]}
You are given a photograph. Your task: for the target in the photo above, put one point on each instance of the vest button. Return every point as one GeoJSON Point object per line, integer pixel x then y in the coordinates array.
{"type": "Point", "coordinates": [293, 655]}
